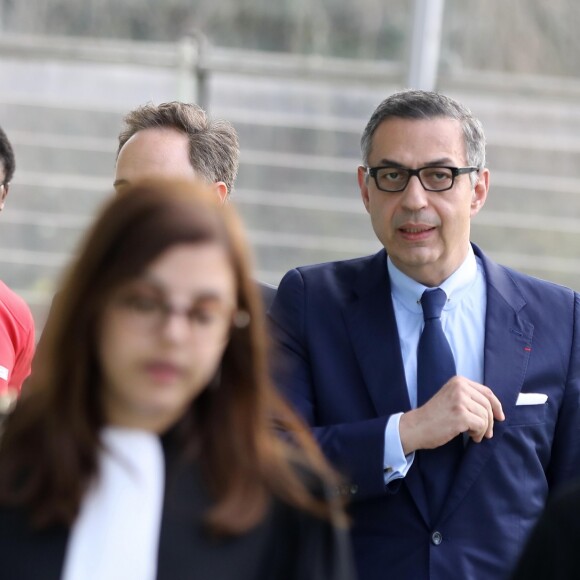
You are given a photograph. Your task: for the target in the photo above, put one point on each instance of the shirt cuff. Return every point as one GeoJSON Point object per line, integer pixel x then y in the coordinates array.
{"type": "Point", "coordinates": [396, 463]}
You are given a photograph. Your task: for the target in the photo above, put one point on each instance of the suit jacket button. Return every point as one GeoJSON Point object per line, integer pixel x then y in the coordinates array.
{"type": "Point", "coordinates": [353, 489]}
{"type": "Point", "coordinates": [436, 538]}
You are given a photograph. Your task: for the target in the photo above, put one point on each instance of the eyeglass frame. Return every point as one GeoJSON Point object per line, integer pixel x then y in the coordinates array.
{"type": "Point", "coordinates": [455, 171]}
{"type": "Point", "coordinates": [160, 311]}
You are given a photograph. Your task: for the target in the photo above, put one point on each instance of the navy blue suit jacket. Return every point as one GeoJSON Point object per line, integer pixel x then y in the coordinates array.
{"type": "Point", "coordinates": [336, 327]}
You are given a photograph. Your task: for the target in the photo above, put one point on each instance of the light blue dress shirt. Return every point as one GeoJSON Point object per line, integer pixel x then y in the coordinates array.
{"type": "Point", "coordinates": [463, 321]}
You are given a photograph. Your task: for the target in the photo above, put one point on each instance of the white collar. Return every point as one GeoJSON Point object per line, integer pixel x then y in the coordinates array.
{"type": "Point", "coordinates": [408, 292]}
{"type": "Point", "coordinates": [116, 534]}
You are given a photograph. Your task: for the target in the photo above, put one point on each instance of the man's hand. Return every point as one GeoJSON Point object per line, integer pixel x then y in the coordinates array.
{"type": "Point", "coordinates": [460, 406]}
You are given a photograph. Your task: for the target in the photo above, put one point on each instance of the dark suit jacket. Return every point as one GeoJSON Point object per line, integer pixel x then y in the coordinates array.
{"type": "Point", "coordinates": [552, 552]}
{"type": "Point", "coordinates": [336, 326]}
{"type": "Point", "coordinates": [288, 544]}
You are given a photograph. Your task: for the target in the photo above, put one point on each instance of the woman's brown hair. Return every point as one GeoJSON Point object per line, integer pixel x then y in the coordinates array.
{"type": "Point", "coordinates": [50, 444]}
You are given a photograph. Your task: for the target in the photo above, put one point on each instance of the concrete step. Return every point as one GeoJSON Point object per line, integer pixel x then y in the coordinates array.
{"type": "Point", "coordinates": [518, 111]}
{"type": "Point", "coordinates": [59, 121]}
{"type": "Point", "coordinates": [30, 273]}
{"type": "Point", "coordinates": [517, 144]}
{"type": "Point", "coordinates": [526, 194]}
{"type": "Point", "coordinates": [51, 207]}
{"type": "Point", "coordinates": [63, 158]}
{"type": "Point", "coordinates": [299, 174]}
{"type": "Point", "coordinates": [54, 194]}
{"type": "Point", "coordinates": [51, 239]}
{"type": "Point", "coordinates": [316, 221]}
{"type": "Point", "coordinates": [527, 241]}
{"type": "Point", "coordinates": [530, 196]}
{"type": "Point", "coordinates": [279, 253]}
{"type": "Point", "coordinates": [564, 271]}
{"type": "Point", "coordinates": [293, 156]}
{"type": "Point", "coordinates": [331, 141]}
{"type": "Point", "coordinates": [551, 159]}
{"type": "Point", "coordinates": [293, 231]}
{"type": "Point", "coordinates": [234, 96]}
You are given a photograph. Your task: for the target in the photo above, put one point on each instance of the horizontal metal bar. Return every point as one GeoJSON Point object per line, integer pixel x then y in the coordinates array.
{"type": "Point", "coordinates": [213, 60]}
{"type": "Point", "coordinates": [247, 62]}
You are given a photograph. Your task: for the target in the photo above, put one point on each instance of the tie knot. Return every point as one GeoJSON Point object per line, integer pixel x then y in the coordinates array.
{"type": "Point", "coordinates": [432, 303]}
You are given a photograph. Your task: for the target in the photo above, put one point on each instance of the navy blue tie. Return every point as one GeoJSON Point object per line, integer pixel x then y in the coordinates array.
{"type": "Point", "coordinates": [435, 366]}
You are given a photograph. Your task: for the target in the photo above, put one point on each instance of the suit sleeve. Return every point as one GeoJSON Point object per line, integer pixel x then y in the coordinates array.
{"type": "Point", "coordinates": [565, 460]}
{"type": "Point", "coordinates": [355, 448]}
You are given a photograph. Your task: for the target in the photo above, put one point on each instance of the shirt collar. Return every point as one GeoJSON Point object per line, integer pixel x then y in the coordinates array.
{"type": "Point", "coordinates": [408, 292]}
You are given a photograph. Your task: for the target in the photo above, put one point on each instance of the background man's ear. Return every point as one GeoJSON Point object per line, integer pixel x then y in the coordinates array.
{"type": "Point", "coordinates": [221, 190]}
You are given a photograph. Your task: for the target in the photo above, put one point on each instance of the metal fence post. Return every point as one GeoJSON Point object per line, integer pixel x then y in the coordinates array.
{"type": "Point", "coordinates": [187, 56]}
{"type": "Point", "coordinates": [192, 74]}
{"type": "Point", "coordinates": [426, 44]}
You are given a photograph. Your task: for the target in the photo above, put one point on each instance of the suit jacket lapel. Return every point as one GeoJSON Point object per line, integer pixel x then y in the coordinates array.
{"type": "Point", "coordinates": [371, 324]}
{"type": "Point", "coordinates": [372, 327]}
{"type": "Point", "coordinates": [508, 337]}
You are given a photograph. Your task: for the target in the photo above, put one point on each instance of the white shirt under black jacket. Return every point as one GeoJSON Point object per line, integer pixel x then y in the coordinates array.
{"type": "Point", "coordinates": [463, 321]}
{"type": "Point", "coordinates": [142, 519]}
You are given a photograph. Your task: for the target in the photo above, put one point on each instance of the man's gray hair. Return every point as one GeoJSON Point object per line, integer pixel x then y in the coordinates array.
{"type": "Point", "coordinates": [416, 104]}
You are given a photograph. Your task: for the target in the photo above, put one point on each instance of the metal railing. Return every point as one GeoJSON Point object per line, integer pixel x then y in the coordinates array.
{"type": "Point", "coordinates": [195, 61]}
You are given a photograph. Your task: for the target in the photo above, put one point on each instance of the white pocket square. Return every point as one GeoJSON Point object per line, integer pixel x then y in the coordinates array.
{"type": "Point", "coordinates": [531, 399]}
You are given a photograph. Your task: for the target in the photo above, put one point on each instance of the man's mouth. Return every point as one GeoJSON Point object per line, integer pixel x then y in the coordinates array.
{"type": "Point", "coordinates": [417, 230]}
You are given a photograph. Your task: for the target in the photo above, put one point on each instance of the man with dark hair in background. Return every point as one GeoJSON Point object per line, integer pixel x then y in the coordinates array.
{"type": "Point", "coordinates": [178, 140]}
{"type": "Point", "coordinates": [16, 322]}
{"type": "Point", "coordinates": [445, 386]}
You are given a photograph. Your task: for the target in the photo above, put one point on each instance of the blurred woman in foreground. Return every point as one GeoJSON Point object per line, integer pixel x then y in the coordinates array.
{"type": "Point", "coordinates": [144, 446]}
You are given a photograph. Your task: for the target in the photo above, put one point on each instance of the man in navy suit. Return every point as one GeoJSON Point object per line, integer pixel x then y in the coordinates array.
{"type": "Point", "coordinates": [349, 332]}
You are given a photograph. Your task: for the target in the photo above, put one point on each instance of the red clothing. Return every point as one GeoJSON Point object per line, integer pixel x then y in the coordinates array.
{"type": "Point", "coordinates": [16, 339]}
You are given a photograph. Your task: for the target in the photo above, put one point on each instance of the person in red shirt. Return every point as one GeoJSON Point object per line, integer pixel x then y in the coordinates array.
{"type": "Point", "coordinates": [16, 322]}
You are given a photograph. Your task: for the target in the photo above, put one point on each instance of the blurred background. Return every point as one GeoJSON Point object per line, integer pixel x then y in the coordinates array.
{"type": "Point", "coordinates": [298, 79]}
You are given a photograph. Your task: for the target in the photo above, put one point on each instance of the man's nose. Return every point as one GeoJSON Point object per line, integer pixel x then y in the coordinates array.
{"type": "Point", "coordinates": [415, 196]}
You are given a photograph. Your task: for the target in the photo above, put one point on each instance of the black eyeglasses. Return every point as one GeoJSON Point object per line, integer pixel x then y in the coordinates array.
{"type": "Point", "coordinates": [393, 179]}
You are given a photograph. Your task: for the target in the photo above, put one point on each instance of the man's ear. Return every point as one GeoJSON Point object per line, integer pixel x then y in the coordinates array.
{"type": "Point", "coordinates": [480, 191]}
{"type": "Point", "coordinates": [221, 190]}
{"type": "Point", "coordinates": [363, 185]}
